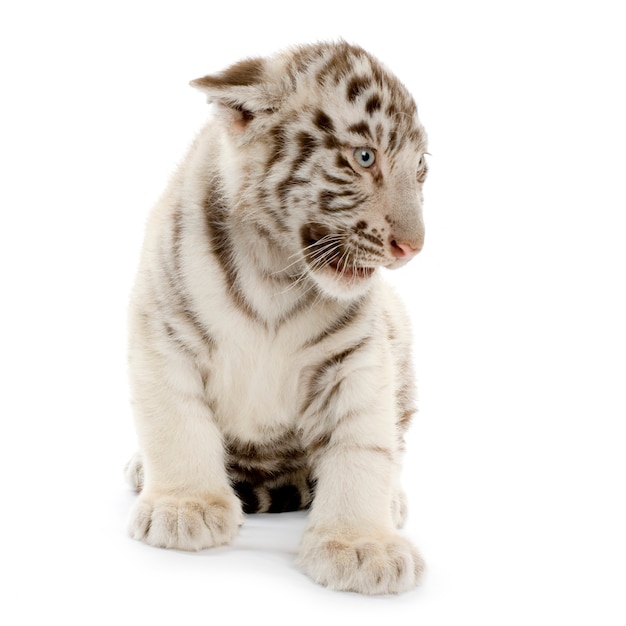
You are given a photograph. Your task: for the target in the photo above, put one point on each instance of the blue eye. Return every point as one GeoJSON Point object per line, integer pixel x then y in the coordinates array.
{"type": "Point", "coordinates": [365, 157]}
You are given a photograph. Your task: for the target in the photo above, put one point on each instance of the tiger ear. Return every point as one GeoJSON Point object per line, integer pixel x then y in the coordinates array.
{"type": "Point", "coordinates": [244, 90]}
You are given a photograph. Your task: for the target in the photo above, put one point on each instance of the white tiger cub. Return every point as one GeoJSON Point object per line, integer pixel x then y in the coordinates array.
{"type": "Point", "coordinates": [270, 364]}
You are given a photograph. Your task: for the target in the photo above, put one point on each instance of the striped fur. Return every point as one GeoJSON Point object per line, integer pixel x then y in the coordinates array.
{"type": "Point", "coordinates": [270, 363]}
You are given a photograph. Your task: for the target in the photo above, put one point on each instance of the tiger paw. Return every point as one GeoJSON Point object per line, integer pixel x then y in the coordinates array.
{"type": "Point", "coordinates": [376, 564]}
{"type": "Point", "coordinates": [186, 523]}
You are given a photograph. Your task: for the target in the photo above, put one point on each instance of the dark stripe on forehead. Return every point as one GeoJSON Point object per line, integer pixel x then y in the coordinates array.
{"type": "Point", "coordinates": [393, 141]}
{"type": "Point", "coordinates": [342, 163]}
{"type": "Point", "coordinates": [356, 87]}
{"type": "Point", "coordinates": [339, 64]}
{"type": "Point", "coordinates": [324, 123]}
{"type": "Point", "coordinates": [373, 104]}
{"type": "Point", "coordinates": [380, 131]}
{"type": "Point", "coordinates": [331, 142]}
{"type": "Point", "coordinates": [402, 103]}
{"type": "Point", "coordinates": [307, 145]}
{"type": "Point", "coordinates": [361, 128]}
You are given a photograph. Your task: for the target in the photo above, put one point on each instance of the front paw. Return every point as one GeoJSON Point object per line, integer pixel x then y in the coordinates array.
{"type": "Point", "coordinates": [186, 523]}
{"type": "Point", "coordinates": [371, 564]}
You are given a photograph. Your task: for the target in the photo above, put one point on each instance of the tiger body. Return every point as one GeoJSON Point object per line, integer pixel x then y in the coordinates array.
{"type": "Point", "coordinates": [270, 363]}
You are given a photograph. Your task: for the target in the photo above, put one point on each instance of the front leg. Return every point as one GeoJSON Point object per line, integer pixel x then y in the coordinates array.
{"type": "Point", "coordinates": [351, 542]}
{"type": "Point", "coordinates": [186, 501]}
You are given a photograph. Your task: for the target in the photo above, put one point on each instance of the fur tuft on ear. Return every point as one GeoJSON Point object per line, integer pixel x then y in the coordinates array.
{"type": "Point", "coordinates": [246, 89]}
{"type": "Point", "coordinates": [242, 74]}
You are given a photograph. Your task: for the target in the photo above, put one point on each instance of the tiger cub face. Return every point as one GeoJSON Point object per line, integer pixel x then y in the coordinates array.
{"type": "Point", "coordinates": [324, 153]}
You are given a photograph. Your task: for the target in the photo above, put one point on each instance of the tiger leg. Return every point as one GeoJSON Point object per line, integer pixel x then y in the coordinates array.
{"type": "Point", "coordinates": [186, 501]}
{"type": "Point", "coordinates": [351, 542]}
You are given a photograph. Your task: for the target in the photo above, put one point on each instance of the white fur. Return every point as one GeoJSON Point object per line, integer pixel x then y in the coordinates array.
{"type": "Point", "coordinates": [248, 381]}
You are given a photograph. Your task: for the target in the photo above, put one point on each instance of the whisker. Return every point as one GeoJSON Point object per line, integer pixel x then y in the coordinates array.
{"type": "Point", "coordinates": [325, 241]}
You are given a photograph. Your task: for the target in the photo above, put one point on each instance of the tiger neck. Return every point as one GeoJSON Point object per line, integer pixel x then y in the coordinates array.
{"type": "Point", "coordinates": [266, 282]}
{"type": "Point", "coordinates": [269, 285]}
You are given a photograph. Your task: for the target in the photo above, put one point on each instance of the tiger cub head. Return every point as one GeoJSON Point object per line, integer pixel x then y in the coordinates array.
{"type": "Point", "coordinates": [324, 152]}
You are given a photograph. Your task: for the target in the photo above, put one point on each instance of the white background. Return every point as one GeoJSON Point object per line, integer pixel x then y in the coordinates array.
{"type": "Point", "coordinates": [515, 467]}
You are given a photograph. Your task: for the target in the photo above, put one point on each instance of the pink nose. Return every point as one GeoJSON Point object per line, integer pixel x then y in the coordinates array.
{"type": "Point", "coordinates": [403, 250]}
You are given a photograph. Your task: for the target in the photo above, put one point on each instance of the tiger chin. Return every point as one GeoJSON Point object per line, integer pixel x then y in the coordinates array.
{"type": "Point", "coordinates": [270, 363]}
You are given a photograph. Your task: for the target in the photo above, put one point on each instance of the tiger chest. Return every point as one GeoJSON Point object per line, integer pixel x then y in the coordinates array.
{"type": "Point", "coordinates": [255, 386]}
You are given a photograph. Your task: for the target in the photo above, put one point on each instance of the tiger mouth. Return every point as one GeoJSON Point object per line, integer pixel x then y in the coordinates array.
{"type": "Point", "coordinates": [324, 251]}
{"type": "Point", "coordinates": [350, 271]}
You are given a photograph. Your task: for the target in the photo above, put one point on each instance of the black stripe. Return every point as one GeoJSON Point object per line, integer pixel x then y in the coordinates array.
{"type": "Point", "coordinates": [380, 131]}
{"type": "Point", "coordinates": [266, 460]}
{"type": "Point", "coordinates": [270, 477]}
{"type": "Point", "coordinates": [349, 316]}
{"type": "Point", "coordinates": [269, 209]}
{"type": "Point", "coordinates": [301, 306]}
{"type": "Point", "coordinates": [335, 180]}
{"type": "Point", "coordinates": [324, 123]}
{"type": "Point", "coordinates": [316, 386]}
{"type": "Point", "coordinates": [377, 241]}
{"type": "Point", "coordinates": [285, 498]}
{"type": "Point", "coordinates": [373, 104]}
{"type": "Point", "coordinates": [327, 200]}
{"type": "Point", "coordinates": [266, 234]}
{"type": "Point", "coordinates": [342, 163]}
{"type": "Point", "coordinates": [319, 443]}
{"type": "Point", "coordinates": [178, 302]}
{"type": "Point", "coordinates": [307, 144]}
{"type": "Point", "coordinates": [173, 336]}
{"type": "Point", "coordinates": [393, 142]}
{"type": "Point", "coordinates": [278, 135]}
{"type": "Point", "coordinates": [338, 66]}
{"type": "Point", "coordinates": [356, 87]}
{"type": "Point", "coordinates": [340, 357]}
{"type": "Point", "coordinates": [361, 128]}
{"type": "Point", "coordinates": [331, 394]}
{"type": "Point", "coordinates": [246, 493]}
{"type": "Point", "coordinates": [392, 333]}
{"type": "Point", "coordinates": [327, 197]}
{"type": "Point", "coordinates": [223, 247]}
